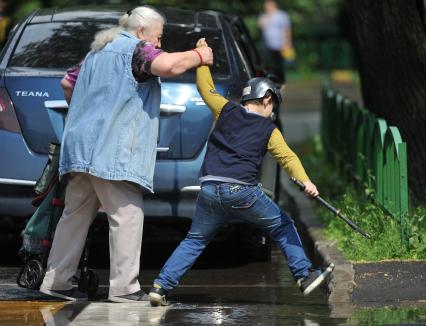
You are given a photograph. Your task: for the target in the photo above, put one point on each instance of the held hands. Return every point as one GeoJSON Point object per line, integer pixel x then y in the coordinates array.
{"type": "Point", "coordinates": [206, 53]}
{"type": "Point", "coordinates": [310, 189]}
{"type": "Point", "coordinates": [201, 43]}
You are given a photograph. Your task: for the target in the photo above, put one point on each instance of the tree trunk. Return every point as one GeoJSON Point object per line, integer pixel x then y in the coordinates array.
{"type": "Point", "coordinates": [390, 46]}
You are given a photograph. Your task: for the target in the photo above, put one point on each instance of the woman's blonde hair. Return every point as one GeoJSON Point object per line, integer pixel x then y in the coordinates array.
{"type": "Point", "coordinates": [139, 17]}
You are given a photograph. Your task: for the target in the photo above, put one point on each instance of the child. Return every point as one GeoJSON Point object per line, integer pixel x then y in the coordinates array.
{"type": "Point", "coordinates": [242, 134]}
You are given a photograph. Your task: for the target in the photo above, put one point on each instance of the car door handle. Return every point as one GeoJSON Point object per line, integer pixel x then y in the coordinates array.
{"type": "Point", "coordinates": [190, 189]}
{"type": "Point", "coordinates": [56, 104]}
{"type": "Point", "coordinates": [164, 108]}
{"type": "Point", "coordinates": [162, 149]}
{"type": "Point", "coordinates": [172, 108]}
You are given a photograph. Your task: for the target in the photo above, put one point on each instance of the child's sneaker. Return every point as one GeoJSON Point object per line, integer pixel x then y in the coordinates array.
{"type": "Point", "coordinates": [314, 279]}
{"type": "Point", "coordinates": [158, 296]}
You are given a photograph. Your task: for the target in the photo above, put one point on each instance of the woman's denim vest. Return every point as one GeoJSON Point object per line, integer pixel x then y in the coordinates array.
{"type": "Point", "coordinates": [112, 125]}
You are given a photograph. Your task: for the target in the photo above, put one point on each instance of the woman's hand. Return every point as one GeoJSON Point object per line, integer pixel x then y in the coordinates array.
{"type": "Point", "coordinates": [310, 189]}
{"type": "Point", "coordinates": [205, 51]}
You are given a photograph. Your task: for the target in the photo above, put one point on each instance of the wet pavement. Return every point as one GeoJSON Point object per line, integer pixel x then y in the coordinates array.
{"type": "Point", "coordinates": [230, 291]}
{"type": "Point", "coordinates": [224, 288]}
{"type": "Point", "coordinates": [394, 282]}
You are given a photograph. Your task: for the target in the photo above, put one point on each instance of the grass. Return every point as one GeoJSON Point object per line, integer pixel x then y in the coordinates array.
{"type": "Point", "coordinates": [389, 316]}
{"type": "Point", "coordinates": [387, 242]}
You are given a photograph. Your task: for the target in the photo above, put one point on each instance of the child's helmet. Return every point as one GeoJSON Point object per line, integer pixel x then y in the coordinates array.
{"type": "Point", "coordinates": [257, 88]}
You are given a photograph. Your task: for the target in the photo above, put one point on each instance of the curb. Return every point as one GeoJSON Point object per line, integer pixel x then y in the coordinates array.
{"type": "Point", "coordinates": [322, 252]}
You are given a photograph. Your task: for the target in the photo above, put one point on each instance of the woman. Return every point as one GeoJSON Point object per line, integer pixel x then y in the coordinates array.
{"type": "Point", "coordinates": [109, 148]}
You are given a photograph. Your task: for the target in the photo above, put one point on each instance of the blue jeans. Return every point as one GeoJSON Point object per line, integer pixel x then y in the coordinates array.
{"type": "Point", "coordinates": [217, 203]}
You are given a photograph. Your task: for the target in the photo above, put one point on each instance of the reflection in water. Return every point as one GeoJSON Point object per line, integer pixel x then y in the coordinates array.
{"type": "Point", "coordinates": [246, 314]}
{"type": "Point", "coordinates": [389, 316]}
{"type": "Point", "coordinates": [63, 316]}
{"type": "Point", "coordinates": [308, 322]}
{"type": "Point", "coordinates": [104, 313]}
{"type": "Point", "coordinates": [26, 313]}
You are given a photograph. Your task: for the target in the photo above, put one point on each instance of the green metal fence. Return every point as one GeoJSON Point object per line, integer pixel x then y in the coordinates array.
{"type": "Point", "coordinates": [367, 149]}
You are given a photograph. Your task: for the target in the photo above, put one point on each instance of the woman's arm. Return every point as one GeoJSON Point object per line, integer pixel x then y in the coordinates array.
{"type": "Point", "coordinates": [69, 80]}
{"type": "Point", "coordinates": [68, 88]}
{"type": "Point", "coordinates": [176, 63]}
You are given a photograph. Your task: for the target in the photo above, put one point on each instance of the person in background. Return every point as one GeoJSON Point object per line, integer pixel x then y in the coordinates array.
{"type": "Point", "coordinates": [108, 148]}
{"type": "Point", "coordinates": [276, 34]}
{"type": "Point", "coordinates": [5, 23]}
{"type": "Point", "coordinates": [229, 186]}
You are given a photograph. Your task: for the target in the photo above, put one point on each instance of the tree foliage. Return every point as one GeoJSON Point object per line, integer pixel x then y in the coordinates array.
{"type": "Point", "coordinates": [300, 10]}
{"type": "Point", "coordinates": [314, 25]}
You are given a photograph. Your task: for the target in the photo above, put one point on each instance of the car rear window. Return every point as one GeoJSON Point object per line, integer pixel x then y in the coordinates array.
{"type": "Point", "coordinates": [54, 45]}
{"type": "Point", "coordinates": [185, 38]}
{"type": "Point", "coordinates": [61, 45]}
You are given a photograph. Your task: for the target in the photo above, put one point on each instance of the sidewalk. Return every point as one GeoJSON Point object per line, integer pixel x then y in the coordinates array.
{"type": "Point", "coordinates": [392, 283]}
{"type": "Point", "coordinates": [379, 284]}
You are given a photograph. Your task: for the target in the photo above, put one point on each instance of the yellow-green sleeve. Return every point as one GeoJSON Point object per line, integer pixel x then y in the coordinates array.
{"type": "Point", "coordinates": [285, 157]}
{"type": "Point", "coordinates": [208, 92]}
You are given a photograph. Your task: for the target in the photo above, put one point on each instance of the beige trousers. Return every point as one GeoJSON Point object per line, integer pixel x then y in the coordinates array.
{"type": "Point", "coordinates": [122, 202]}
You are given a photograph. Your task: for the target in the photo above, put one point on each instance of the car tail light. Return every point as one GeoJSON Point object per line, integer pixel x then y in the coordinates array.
{"type": "Point", "coordinates": [8, 119]}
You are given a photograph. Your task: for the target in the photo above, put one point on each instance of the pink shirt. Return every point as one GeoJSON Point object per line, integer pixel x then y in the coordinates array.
{"type": "Point", "coordinates": [142, 59]}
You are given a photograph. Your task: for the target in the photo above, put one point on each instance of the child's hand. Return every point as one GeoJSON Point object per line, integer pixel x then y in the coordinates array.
{"type": "Point", "coordinates": [310, 189]}
{"type": "Point", "coordinates": [205, 52]}
{"type": "Point", "coordinates": [201, 42]}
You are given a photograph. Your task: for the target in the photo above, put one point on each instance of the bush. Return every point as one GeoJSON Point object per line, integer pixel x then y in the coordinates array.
{"type": "Point", "coordinates": [390, 240]}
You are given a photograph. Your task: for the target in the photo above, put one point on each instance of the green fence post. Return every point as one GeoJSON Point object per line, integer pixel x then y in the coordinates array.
{"type": "Point", "coordinates": [403, 177]}
{"type": "Point", "coordinates": [337, 122]}
{"type": "Point", "coordinates": [389, 189]}
{"type": "Point", "coordinates": [403, 181]}
{"type": "Point", "coordinates": [335, 130]}
{"type": "Point", "coordinates": [343, 136]}
{"type": "Point", "coordinates": [352, 144]}
{"type": "Point", "coordinates": [360, 133]}
{"type": "Point", "coordinates": [379, 131]}
{"type": "Point", "coordinates": [396, 165]}
{"type": "Point", "coordinates": [369, 149]}
{"type": "Point", "coordinates": [348, 107]}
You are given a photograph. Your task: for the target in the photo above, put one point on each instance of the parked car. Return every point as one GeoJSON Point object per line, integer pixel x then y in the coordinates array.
{"type": "Point", "coordinates": [40, 49]}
